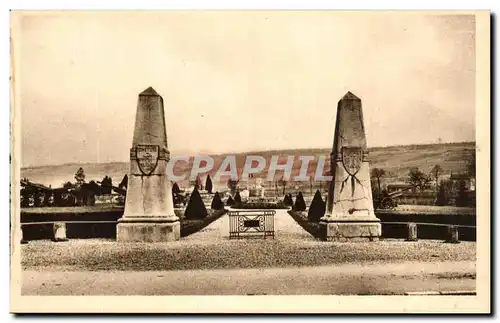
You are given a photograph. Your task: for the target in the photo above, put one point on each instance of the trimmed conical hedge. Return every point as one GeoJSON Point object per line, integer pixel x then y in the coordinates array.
{"type": "Point", "coordinates": [300, 204]}
{"type": "Point", "coordinates": [217, 203]}
{"type": "Point", "coordinates": [208, 184]}
{"type": "Point", "coordinates": [237, 198]}
{"type": "Point", "coordinates": [288, 201]}
{"type": "Point", "coordinates": [317, 208]}
{"type": "Point", "coordinates": [195, 208]}
{"type": "Point", "coordinates": [176, 189]}
{"type": "Point", "coordinates": [230, 201]}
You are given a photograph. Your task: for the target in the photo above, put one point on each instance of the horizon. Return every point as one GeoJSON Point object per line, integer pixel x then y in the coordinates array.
{"type": "Point", "coordinates": [246, 152]}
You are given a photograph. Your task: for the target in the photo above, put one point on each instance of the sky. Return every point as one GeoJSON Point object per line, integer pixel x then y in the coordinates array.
{"type": "Point", "coordinates": [239, 81]}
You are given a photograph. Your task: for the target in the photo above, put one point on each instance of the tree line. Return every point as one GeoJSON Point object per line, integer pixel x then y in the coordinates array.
{"type": "Point", "coordinates": [444, 191]}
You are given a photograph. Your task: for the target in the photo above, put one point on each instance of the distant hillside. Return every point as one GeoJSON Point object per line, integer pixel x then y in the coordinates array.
{"type": "Point", "coordinates": [396, 160]}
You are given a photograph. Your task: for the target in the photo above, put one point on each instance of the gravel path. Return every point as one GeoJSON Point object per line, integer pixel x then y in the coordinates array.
{"type": "Point", "coordinates": [284, 225]}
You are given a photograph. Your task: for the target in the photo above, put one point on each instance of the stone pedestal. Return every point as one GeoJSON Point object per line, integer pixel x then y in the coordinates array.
{"type": "Point", "coordinates": [349, 213]}
{"type": "Point", "coordinates": [344, 231]}
{"type": "Point", "coordinates": [412, 232]}
{"type": "Point", "coordinates": [59, 229]}
{"type": "Point", "coordinates": [154, 231]}
{"type": "Point", "coordinates": [149, 210]}
{"type": "Point", "coordinates": [22, 236]}
{"type": "Point", "coordinates": [453, 234]}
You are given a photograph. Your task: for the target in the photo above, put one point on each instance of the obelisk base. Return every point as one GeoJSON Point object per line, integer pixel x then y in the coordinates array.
{"type": "Point", "coordinates": [350, 230]}
{"type": "Point", "coordinates": [148, 229]}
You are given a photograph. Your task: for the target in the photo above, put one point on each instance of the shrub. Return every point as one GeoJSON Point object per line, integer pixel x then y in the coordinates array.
{"type": "Point", "coordinates": [106, 185]}
{"type": "Point", "coordinates": [177, 198]}
{"type": "Point", "coordinates": [230, 201]}
{"type": "Point", "coordinates": [124, 183]}
{"type": "Point", "coordinates": [442, 196]}
{"type": "Point", "coordinates": [317, 208]}
{"type": "Point", "coordinates": [287, 200]}
{"type": "Point", "coordinates": [217, 203]}
{"type": "Point", "coordinates": [462, 196]}
{"type": "Point", "coordinates": [175, 189]}
{"type": "Point", "coordinates": [237, 198]}
{"type": "Point", "coordinates": [195, 208]}
{"type": "Point", "coordinates": [300, 204]}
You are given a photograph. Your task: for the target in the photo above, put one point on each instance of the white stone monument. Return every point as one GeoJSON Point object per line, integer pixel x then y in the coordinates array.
{"type": "Point", "coordinates": [149, 210]}
{"type": "Point", "coordinates": [349, 212]}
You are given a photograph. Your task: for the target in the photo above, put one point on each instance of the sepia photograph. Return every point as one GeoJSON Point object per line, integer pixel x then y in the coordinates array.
{"type": "Point", "coordinates": [272, 161]}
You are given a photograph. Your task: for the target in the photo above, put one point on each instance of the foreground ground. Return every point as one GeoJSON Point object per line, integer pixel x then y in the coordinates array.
{"type": "Point", "coordinates": [342, 279]}
{"type": "Point", "coordinates": [208, 263]}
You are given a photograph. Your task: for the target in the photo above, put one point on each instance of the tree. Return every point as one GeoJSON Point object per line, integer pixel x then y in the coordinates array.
{"type": "Point", "coordinates": [237, 199]}
{"type": "Point", "coordinates": [197, 183]}
{"type": "Point", "coordinates": [80, 176]}
{"type": "Point", "coordinates": [208, 184]}
{"type": "Point", "coordinates": [232, 185]}
{"type": "Point", "coordinates": [283, 183]}
{"type": "Point", "coordinates": [124, 183]}
{"type": "Point", "coordinates": [196, 208]}
{"type": "Point", "coordinates": [442, 197]}
{"type": "Point", "coordinates": [68, 185]}
{"type": "Point", "coordinates": [436, 170]}
{"type": "Point", "coordinates": [25, 195]}
{"type": "Point", "coordinates": [106, 185]}
{"type": "Point", "coordinates": [88, 192]}
{"type": "Point", "coordinates": [92, 186]}
{"type": "Point", "coordinates": [471, 166]}
{"type": "Point", "coordinates": [378, 173]}
{"type": "Point", "coordinates": [175, 189]}
{"type": "Point", "coordinates": [300, 204]}
{"type": "Point", "coordinates": [288, 201]}
{"type": "Point", "coordinates": [418, 179]}
{"type": "Point", "coordinates": [176, 196]}
{"type": "Point", "coordinates": [317, 208]}
{"type": "Point", "coordinates": [462, 196]}
{"type": "Point", "coordinates": [217, 203]}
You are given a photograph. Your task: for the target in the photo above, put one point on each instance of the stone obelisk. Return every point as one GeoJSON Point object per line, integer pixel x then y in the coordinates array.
{"type": "Point", "coordinates": [349, 212]}
{"type": "Point", "coordinates": [149, 210]}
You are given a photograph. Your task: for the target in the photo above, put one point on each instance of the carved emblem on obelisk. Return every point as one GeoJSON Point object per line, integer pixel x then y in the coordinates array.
{"type": "Point", "coordinates": [147, 158]}
{"type": "Point", "coordinates": [352, 158]}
